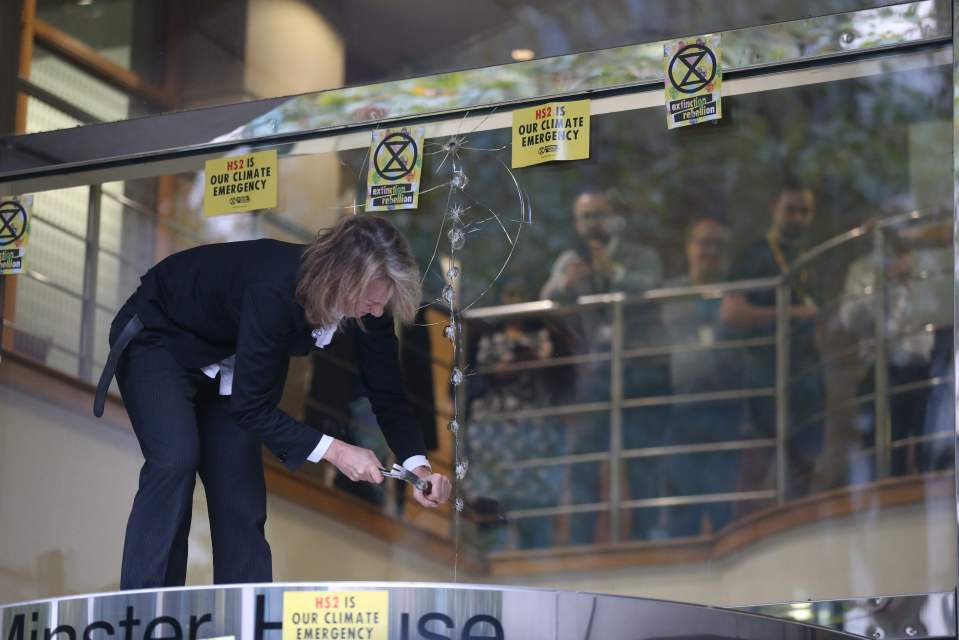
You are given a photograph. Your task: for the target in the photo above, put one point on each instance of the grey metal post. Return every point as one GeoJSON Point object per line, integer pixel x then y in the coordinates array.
{"type": "Point", "coordinates": [88, 312]}
{"type": "Point", "coordinates": [883, 432]}
{"type": "Point", "coordinates": [393, 490]}
{"type": "Point", "coordinates": [616, 423]}
{"type": "Point", "coordinates": [783, 294]}
{"type": "Point", "coordinates": [955, 239]}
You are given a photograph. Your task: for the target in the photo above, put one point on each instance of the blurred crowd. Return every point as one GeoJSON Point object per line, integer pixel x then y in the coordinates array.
{"type": "Point", "coordinates": [859, 388]}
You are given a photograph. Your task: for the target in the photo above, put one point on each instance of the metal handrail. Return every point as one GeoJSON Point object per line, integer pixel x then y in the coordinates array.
{"type": "Point", "coordinates": [642, 503]}
{"type": "Point", "coordinates": [617, 356]}
{"type": "Point", "coordinates": [628, 354]}
{"type": "Point", "coordinates": [710, 290]}
{"type": "Point", "coordinates": [880, 224]}
{"type": "Point", "coordinates": [644, 452]}
{"type": "Point", "coordinates": [76, 236]}
{"type": "Point", "coordinates": [48, 340]}
{"type": "Point", "coordinates": [781, 341]}
{"type": "Point", "coordinates": [537, 307]}
{"type": "Point", "coordinates": [49, 282]}
{"type": "Point", "coordinates": [870, 342]}
{"type": "Point", "coordinates": [149, 213]}
{"type": "Point", "coordinates": [871, 397]}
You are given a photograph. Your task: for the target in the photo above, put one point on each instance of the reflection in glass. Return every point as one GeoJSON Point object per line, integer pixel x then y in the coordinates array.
{"type": "Point", "coordinates": [707, 340]}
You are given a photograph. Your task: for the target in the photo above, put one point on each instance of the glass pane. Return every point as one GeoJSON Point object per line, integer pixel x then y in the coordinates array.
{"type": "Point", "coordinates": [77, 87]}
{"type": "Point", "coordinates": [360, 37]}
{"type": "Point", "coordinates": [721, 354]}
{"type": "Point", "coordinates": [45, 325]}
{"type": "Point", "coordinates": [56, 256]}
{"type": "Point", "coordinates": [43, 117]}
{"type": "Point", "coordinates": [49, 297]}
{"type": "Point", "coordinates": [106, 26]}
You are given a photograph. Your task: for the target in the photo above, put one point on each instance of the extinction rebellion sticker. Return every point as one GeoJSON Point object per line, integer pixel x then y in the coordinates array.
{"type": "Point", "coordinates": [15, 214]}
{"type": "Point", "coordinates": [396, 163]}
{"type": "Point", "coordinates": [694, 80]}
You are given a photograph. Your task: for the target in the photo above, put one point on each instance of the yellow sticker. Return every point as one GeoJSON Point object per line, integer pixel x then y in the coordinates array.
{"type": "Point", "coordinates": [329, 615]}
{"type": "Point", "coordinates": [241, 183]}
{"type": "Point", "coordinates": [15, 214]}
{"type": "Point", "coordinates": [552, 131]}
{"type": "Point", "coordinates": [694, 81]}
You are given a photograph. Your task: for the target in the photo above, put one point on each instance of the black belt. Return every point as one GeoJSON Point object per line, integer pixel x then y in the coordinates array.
{"type": "Point", "coordinates": [133, 327]}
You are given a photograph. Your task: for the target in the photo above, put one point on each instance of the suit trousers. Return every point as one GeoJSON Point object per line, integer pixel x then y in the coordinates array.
{"type": "Point", "coordinates": [185, 428]}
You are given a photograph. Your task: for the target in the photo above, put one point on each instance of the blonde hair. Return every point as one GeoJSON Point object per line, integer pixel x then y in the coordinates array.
{"type": "Point", "coordinates": [343, 260]}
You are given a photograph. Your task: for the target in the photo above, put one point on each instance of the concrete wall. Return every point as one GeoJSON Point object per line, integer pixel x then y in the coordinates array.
{"type": "Point", "coordinates": [290, 49]}
{"type": "Point", "coordinates": [67, 480]}
{"type": "Point", "coordinates": [899, 550]}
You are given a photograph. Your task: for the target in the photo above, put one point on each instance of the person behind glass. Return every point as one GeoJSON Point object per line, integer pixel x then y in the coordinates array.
{"type": "Point", "coordinates": [602, 261]}
{"type": "Point", "coordinates": [931, 248]}
{"type": "Point", "coordinates": [917, 329]}
{"type": "Point", "coordinates": [495, 439]}
{"type": "Point", "coordinates": [201, 351]}
{"type": "Point", "coordinates": [692, 325]}
{"type": "Point", "coordinates": [753, 314]}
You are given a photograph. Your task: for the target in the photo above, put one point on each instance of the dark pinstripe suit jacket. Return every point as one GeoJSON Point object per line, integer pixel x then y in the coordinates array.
{"type": "Point", "coordinates": [207, 303]}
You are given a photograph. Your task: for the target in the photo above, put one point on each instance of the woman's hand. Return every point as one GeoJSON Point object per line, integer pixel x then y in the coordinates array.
{"type": "Point", "coordinates": [439, 491]}
{"type": "Point", "coordinates": [356, 463]}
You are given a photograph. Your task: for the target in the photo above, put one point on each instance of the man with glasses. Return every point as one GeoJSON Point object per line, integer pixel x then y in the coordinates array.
{"type": "Point", "coordinates": [692, 328]}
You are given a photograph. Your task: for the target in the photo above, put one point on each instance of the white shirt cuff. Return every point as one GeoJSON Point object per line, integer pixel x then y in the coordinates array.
{"type": "Point", "coordinates": [416, 461]}
{"type": "Point", "coordinates": [410, 463]}
{"type": "Point", "coordinates": [320, 450]}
